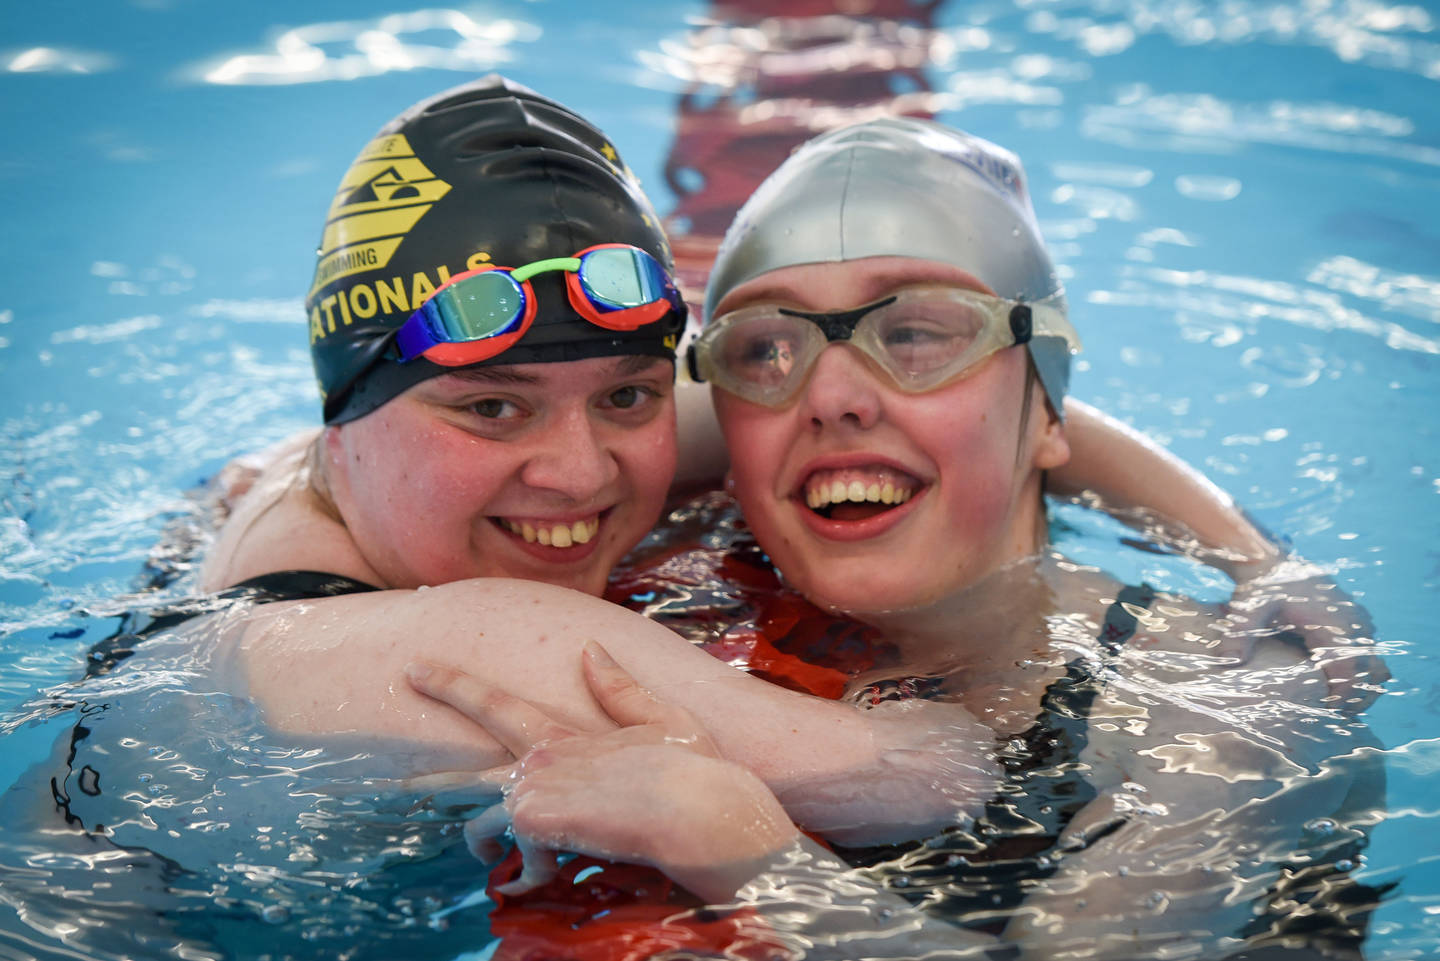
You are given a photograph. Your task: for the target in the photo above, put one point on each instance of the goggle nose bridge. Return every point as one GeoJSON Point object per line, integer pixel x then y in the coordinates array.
{"type": "Point", "coordinates": [838, 324]}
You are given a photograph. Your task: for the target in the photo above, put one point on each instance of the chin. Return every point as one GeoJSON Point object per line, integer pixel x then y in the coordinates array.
{"type": "Point", "coordinates": [863, 594]}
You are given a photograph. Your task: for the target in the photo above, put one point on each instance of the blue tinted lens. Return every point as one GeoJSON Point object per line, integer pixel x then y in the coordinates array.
{"type": "Point", "coordinates": [485, 305]}
{"type": "Point", "coordinates": [615, 278]}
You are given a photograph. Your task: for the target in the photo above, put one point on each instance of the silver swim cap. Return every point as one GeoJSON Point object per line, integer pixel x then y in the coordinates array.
{"type": "Point", "coordinates": [900, 187]}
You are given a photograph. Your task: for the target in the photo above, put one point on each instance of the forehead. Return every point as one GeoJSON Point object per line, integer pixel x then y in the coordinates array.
{"type": "Point", "coordinates": [557, 374]}
{"type": "Point", "coordinates": [840, 284]}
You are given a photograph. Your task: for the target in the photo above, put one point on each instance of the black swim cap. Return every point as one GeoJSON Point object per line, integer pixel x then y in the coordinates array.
{"type": "Point", "coordinates": [489, 172]}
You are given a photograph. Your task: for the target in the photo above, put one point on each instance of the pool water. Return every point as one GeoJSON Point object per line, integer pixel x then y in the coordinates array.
{"type": "Point", "coordinates": [1244, 196]}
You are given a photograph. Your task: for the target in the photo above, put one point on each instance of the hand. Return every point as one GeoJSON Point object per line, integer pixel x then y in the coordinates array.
{"type": "Point", "coordinates": [1300, 599]}
{"type": "Point", "coordinates": [934, 768]}
{"type": "Point", "coordinates": [655, 791]}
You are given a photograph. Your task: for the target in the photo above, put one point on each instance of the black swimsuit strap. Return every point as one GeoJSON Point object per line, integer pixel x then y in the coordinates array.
{"type": "Point", "coordinates": [976, 877]}
{"type": "Point", "coordinates": [296, 586]}
{"type": "Point", "coordinates": [141, 623]}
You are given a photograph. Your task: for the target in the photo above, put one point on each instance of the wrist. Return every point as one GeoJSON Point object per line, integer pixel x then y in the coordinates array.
{"type": "Point", "coordinates": [731, 845]}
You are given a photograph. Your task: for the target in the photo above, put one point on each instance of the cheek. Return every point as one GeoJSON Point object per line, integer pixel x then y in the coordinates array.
{"type": "Point", "coordinates": [756, 440]}
{"type": "Point", "coordinates": [647, 460]}
{"type": "Point", "coordinates": [441, 475]}
{"type": "Point", "coordinates": [975, 453]}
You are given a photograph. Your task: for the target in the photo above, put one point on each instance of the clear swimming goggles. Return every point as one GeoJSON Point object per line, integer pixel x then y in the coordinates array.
{"type": "Point", "coordinates": [920, 336]}
{"type": "Point", "coordinates": [478, 314]}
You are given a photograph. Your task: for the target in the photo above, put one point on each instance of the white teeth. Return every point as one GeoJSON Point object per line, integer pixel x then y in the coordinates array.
{"type": "Point", "coordinates": [823, 493]}
{"type": "Point", "coordinates": [561, 535]}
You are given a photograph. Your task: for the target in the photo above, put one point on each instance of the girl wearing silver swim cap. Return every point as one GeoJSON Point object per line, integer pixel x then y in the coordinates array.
{"type": "Point", "coordinates": [860, 326]}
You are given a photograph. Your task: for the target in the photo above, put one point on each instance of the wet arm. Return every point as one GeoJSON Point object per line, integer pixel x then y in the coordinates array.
{"type": "Point", "coordinates": [655, 791]}
{"type": "Point", "coordinates": [1273, 589]}
{"type": "Point", "coordinates": [877, 775]}
{"type": "Point", "coordinates": [1129, 470]}
{"type": "Point", "coordinates": [1200, 812]}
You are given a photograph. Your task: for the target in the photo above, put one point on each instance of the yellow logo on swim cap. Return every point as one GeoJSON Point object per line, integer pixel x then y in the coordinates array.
{"type": "Point", "coordinates": [384, 193]}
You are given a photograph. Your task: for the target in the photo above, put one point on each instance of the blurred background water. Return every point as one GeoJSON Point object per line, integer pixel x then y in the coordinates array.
{"type": "Point", "coordinates": [1244, 195]}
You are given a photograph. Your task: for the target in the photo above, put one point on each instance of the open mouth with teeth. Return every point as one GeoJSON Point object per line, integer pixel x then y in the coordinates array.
{"type": "Point", "coordinates": [857, 493]}
{"type": "Point", "coordinates": [553, 533]}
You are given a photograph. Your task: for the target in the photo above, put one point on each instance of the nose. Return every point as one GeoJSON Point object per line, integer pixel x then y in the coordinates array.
{"type": "Point", "coordinates": [572, 457]}
{"type": "Point", "coordinates": [842, 390]}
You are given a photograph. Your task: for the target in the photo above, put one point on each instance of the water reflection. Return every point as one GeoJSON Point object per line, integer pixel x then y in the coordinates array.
{"type": "Point", "coordinates": [59, 60]}
{"type": "Point", "coordinates": [353, 49]}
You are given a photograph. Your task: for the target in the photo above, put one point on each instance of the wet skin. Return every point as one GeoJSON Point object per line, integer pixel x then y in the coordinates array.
{"type": "Point", "coordinates": [546, 472]}
{"type": "Point", "coordinates": [969, 470]}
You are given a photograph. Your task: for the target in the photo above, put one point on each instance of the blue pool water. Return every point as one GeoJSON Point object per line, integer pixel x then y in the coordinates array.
{"type": "Point", "coordinates": [1245, 196]}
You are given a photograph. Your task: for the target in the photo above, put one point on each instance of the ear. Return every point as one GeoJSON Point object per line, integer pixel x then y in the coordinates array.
{"type": "Point", "coordinates": [1052, 448]}
{"type": "Point", "coordinates": [329, 439]}
{"type": "Point", "coordinates": [328, 461]}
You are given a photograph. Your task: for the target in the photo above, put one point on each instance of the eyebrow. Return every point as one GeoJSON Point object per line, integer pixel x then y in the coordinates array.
{"type": "Point", "coordinates": [506, 374]}
{"type": "Point", "coordinates": [636, 363]}
{"type": "Point", "coordinates": [501, 374]}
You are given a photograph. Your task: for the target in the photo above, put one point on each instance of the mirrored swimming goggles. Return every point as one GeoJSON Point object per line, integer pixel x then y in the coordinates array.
{"type": "Point", "coordinates": [920, 336]}
{"type": "Point", "coordinates": [478, 314]}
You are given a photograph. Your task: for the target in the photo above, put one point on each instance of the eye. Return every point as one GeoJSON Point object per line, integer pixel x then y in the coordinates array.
{"type": "Point", "coordinates": [632, 400]}
{"type": "Point", "coordinates": [628, 396]}
{"type": "Point", "coordinates": [764, 353]}
{"type": "Point", "coordinates": [925, 338]}
{"type": "Point", "coordinates": [916, 335]}
{"type": "Point", "coordinates": [494, 408]}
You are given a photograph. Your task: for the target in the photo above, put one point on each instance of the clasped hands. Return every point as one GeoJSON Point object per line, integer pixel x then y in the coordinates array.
{"type": "Point", "coordinates": [656, 790]}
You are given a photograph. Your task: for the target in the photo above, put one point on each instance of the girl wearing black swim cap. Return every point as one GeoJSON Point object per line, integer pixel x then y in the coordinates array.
{"type": "Point", "coordinates": [493, 326]}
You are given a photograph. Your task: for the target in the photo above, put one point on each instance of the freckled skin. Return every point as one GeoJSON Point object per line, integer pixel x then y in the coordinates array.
{"type": "Point", "coordinates": [980, 505]}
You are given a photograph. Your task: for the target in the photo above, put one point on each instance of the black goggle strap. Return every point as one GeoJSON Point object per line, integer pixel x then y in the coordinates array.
{"type": "Point", "coordinates": [692, 365]}
{"type": "Point", "coordinates": [838, 324]}
{"type": "Point", "coordinates": [1021, 324]}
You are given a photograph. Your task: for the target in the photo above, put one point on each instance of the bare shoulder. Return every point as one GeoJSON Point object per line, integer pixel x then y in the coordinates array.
{"type": "Point", "coordinates": [278, 523]}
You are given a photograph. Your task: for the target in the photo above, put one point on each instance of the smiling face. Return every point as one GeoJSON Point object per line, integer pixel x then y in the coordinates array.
{"type": "Point", "coordinates": [873, 500]}
{"type": "Point", "coordinates": [546, 472]}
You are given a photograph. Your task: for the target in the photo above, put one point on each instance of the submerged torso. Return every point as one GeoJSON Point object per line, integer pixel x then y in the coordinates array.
{"type": "Point", "coordinates": [1101, 701]}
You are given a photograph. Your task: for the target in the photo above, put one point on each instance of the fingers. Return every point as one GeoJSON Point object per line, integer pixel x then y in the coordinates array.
{"type": "Point", "coordinates": [516, 723]}
{"type": "Point", "coordinates": [623, 698]}
{"type": "Point", "coordinates": [483, 833]}
{"type": "Point", "coordinates": [539, 867]}
{"type": "Point", "coordinates": [1357, 679]}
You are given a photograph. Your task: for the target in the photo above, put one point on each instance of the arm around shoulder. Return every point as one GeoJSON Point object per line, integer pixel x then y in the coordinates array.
{"type": "Point", "coordinates": [1129, 470]}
